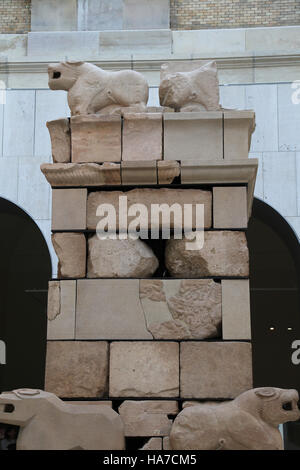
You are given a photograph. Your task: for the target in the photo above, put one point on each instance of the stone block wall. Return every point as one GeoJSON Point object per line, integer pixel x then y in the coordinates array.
{"type": "Point", "coordinates": [15, 16]}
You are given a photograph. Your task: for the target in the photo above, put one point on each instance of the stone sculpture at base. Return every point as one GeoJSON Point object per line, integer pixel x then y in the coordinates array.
{"type": "Point", "coordinates": [48, 423]}
{"type": "Point", "coordinates": [93, 90]}
{"type": "Point", "coordinates": [249, 422]}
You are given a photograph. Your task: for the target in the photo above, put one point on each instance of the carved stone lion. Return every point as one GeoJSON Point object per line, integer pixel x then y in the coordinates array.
{"type": "Point", "coordinates": [93, 90]}
{"type": "Point", "coordinates": [249, 422]}
{"type": "Point", "coordinates": [48, 423]}
{"type": "Point", "coordinates": [196, 88]}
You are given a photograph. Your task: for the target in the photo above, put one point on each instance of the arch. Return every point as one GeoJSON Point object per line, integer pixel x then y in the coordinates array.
{"type": "Point", "coordinates": [25, 269]}
{"type": "Point", "coordinates": [274, 253]}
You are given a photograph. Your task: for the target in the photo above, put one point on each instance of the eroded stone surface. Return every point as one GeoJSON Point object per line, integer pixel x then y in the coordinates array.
{"type": "Point", "coordinates": [182, 309]}
{"type": "Point", "coordinates": [120, 258]}
{"type": "Point", "coordinates": [223, 369]}
{"type": "Point", "coordinates": [167, 171]}
{"type": "Point", "coordinates": [225, 253]}
{"type": "Point", "coordinates": [77, 368]}
{"type": "Point", "coordinates": [82, 174]}
{"type": "Point", "coordinates": [144, 369]}
{"type": "Point", "coordinates": [60, 136]}
{"type": "Point", "coordinates": [61, 310]}
{"type": "Point", "coordinates": [147, 418]}
{"type": "Point", "coordinates": [53, 300]}
{"type": "Point", "coordinates": [259, 412]}
{"type": "Point", "coordinates": [148, 197]}
{"type": "Point", "coordinates": [155, 443]}
{"type": "Point", "coordinates": [71, 252]}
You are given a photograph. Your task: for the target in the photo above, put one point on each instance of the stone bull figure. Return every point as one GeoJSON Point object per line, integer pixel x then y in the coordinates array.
{"type": "Point", "coordinates": [249, 422]}
{"type": "Point", "coordinates": [92, 90]}
{"type": "Point", "coordinates": [48, 423]}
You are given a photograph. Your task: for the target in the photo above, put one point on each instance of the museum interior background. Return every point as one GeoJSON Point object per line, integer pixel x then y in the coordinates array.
{"type": "Point", "coordinates": [257, 48]}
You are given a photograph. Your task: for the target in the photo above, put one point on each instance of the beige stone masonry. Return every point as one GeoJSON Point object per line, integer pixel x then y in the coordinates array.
{"type": "Point", "coordinates": [96, 138]}
{"type": "Point", "coordinates": [148, 196]}
{"type": "Point", "coordinates": [71, 252]}
{"type": "Point", "coordinates": [61, 310]}
{"type": "Point", "coordinates": [60, 136]}
{"type": "Point", "coordinates": [144, 369]}
{"type": "Point", "coordinates": [142, 136]}
{"type": "Point", "coordinates": [94, 402]}
{"type": "Point", "coordinates": [109, 309]}
{"type": "Point", "coordinates": [215, 369]}
{"type": "Point", "coordinates": [238, 129]}
{"type": "Point", "coordinates": [82, 174]}
{"type": "Point", "coordinates": [77, 369]}
{"type": "Point", "coordinates": [193, 136]}
{"type": "Point", "coordinates": [69, 209]}
{"type": "Point", "coordinates": [147, 418]}
{"type": "Point", "coordinates": [154, 443]}
{"type": "Point", "coordinates": [230, 207]}
{"type": "Point", "coordinates": [236, 321]}
{"type": "Point", "coordinates": [224, 253]}
{"type": "Point", "coordinates": [135, 173]}
{"type": "Point", "coordinates": [167, 171]}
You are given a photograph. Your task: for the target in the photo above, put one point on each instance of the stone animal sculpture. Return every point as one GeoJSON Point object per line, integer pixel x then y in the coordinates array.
{"type": "Point", "coordinates": [48, 423]}
{"type": "Point", "coordinates": [196, 89]}
{"type": "Point", "coordinates": [92, 90]}
{"type": "Point", "coordinates": [249, 422]}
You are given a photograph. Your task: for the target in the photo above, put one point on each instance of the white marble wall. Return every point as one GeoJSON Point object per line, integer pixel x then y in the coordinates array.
{"type": "Point", "coordinates": [25, 144]}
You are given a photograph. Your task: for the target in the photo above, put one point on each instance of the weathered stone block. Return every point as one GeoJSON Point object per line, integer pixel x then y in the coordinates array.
{"type": "Point", "coordinates": [144, 369]}
{"type": "Point", "coordinates": [236, 321]}
{"type": "Point", "coordinates": [139, 172]}
{"type": "Point", "coordinates": [167, 171]}
{"type": "Point", "coordinates": [60, 136]}
{"type": "Point", "coordinates": [230, 207]}
{"type": "Point", "coordinates": [223, 369]}
{"type": "Point", "coordinates": [147, 418]}
{"type": "Point", "coordinates": [96, 138]}
{"type": "Point", "coordinates": [71, 252]}
{"type": "Point", "coordinates": [77, 368]}
{"type": "Point", "coordinates": [120, 258]}
{"type": "Point", "coordinates": [69, 209]}
{"type": "Point", "coordinates": [149, 197]}
{"type": "Point", "coordinates": [181, 309]}
{"type": "Point", "coordinates": [193, 136]}
{"type": "Point", "coordinates": [142, 137]}
{"type": "Point", "coordinates": [61, 310]}
{"type": "Point", "coordinates": [82, 174]}
{"type": "Point", "coordinates": [225, 253]}
{"type": "Point", "coordinates": [101, 314]}
{"type": "Point", "coordinates": [238, 128]}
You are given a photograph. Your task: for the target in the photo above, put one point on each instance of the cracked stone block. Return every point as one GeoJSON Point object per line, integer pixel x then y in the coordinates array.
{"type": "Point", "coordinates": [215, 370]}
{"type": "Point", "coordinates": [182, 309]}
{"type": "Point", "coordinates": [61, 310]}
{"type": "Point", "coordinates": [224, 253]}
{"type": "Point", "coordinates": [77, 369]}
{"type": "Point", "coordinates": [69, 209]}
{"type": "Point", "coordinates": [60, 136]}
{"type": "Point", "coordinates": [144, 369]}
{"type": "Point", "coordinates": [82, 174]}
{"type": "Point", "coordinates": [167, 171]}
{"type": "Point", "coordinates": [71, 252]}
{"type": "Point", "coordinates": [230, 207]}
{"type": "Point", "coordinates": [147, 418]}
{"type": "Point", "coordinates": [155, 443]}
{"type": "Point", "coordinates": [142, 136]}
{"type": "Point", "coordinates": [96, 138]}
{"type": "Point", "coordinates": [236, 319]}
{"type": "Point", "coordinates": [120, 258]}
{"type": "Point", "coordinates": [109, 309]}
{"type": "Point", "coordinates": [150, 197]}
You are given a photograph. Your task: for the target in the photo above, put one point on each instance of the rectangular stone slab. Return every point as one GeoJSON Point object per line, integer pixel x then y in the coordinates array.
{"type": "Point", "coordinates": [142, 136]}
{"type": "Point", "coordinates": [193, 136]}
{"type": "Point", "coordinates": [136, 173]}
{"type": "Point", "coordinates": [61, 310]}
{"type": "Point", "coordinates": [230, 207]}
{"type": "Point", "coordinates": [77, 369]}
{"type": "Point", "coordinates": [144, 369]}
{"type": "Point", "coordinates": [60, 136]}
{"type": "Point", "coordinates": [238, 129]}
{"type": "Point", "coordinates": [101, 314]}
{"type": "Point", "coordinates": [236, 321]}
{"type": "Point", "coordinates": [69, 209]}
{"type": "Point", "coordinates": [215, 369]}
{"type": "Point", "coordinates": [96, 138]}
{"type": "Point", "coordinates": [148, 196]}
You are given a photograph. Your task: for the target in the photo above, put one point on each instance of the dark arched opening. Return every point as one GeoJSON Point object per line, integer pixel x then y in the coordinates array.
{"type": "Point", "coordinates": [275, 299]}
{"type": "Point", "coordinates": [25, 269]}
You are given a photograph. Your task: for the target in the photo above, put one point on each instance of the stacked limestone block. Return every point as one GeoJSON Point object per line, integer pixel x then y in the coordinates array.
{"type": "Point", "coordinates": [117, 330]}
